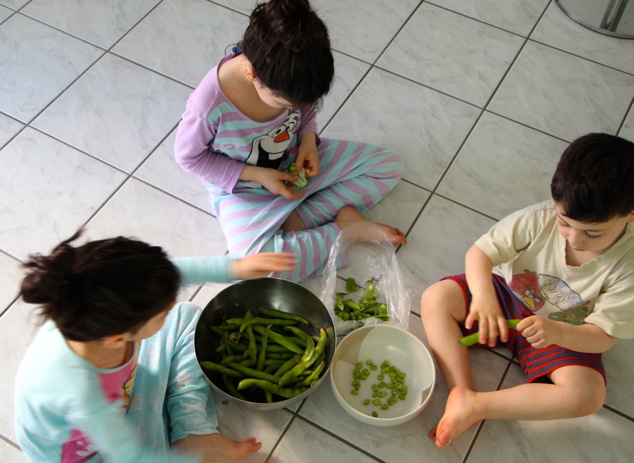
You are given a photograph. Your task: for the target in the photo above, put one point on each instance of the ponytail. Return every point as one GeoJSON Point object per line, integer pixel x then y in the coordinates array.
{"type": "Point", "coordinates": [100, 288]}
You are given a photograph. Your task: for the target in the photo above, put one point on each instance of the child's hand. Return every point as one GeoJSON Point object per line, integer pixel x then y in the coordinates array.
{"type": "Point", "coordinates": [307, 155]}
{"type": "Point", "coordinates": [491, 321]}
{"type": "Point", "coordinates": [278, 183]}
{"type": "Point", "coordinates": [308, 159]}
{"type": "Point", "coordinates": [260, 265]}
{"type": "Point", "coordinates": [540, 331]}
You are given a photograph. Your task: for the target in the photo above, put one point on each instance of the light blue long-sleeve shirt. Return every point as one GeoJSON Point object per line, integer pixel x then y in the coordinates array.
{"type": "Point", "coordinates": [67, 410]}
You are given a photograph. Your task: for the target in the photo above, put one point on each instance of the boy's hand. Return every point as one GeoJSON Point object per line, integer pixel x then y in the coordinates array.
{"type": "Point", "coordinates": [260, 265]}
{"type": "Point", "coordinates": [491, 321]}
{"type": "Point", "coordinates": [540, 331]}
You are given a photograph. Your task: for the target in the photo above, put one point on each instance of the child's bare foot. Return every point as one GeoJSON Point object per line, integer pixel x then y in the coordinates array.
{"type": "Point", "coordinates": [461, 412]}
{"type": "Point", "coordinates": [348, 216]}
{"type": "Point", "coordinates": [216, 447]}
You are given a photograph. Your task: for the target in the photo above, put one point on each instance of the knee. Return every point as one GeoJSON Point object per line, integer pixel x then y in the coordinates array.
{"type": "Point", "coordinates": [587, 396]}
{"type": "Point", "coordinates": [433, 298]}
{"type": "Point", "coordinates": [591, 401]}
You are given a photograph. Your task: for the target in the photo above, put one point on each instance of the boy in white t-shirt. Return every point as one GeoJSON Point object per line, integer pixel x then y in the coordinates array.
{"type": "Point", "coordinates": [566, 268]}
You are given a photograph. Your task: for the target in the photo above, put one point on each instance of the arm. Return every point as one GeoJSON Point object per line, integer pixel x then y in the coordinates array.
{"type": "Point", "coordinates": [484, 304]}
{"type": "Point", "coordinates": [195, 135]}
{"type": "Point", "coordinates": [225, 269]}
{"type": "Point", "coordinates": [114, 437]}
{"type": "Point", "coordinates": [542, 332]}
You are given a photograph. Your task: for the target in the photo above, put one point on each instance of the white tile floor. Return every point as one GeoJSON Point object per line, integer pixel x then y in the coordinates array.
{"type": "Point", "coordinates": [479, 97]}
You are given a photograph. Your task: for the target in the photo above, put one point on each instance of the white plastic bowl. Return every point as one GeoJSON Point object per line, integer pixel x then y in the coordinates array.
{"type": "Point", "coordinates": [378, 343]}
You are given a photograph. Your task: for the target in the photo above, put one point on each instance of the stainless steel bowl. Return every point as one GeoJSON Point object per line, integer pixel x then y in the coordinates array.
{"type": "Point", "coordinates": [271, 293]}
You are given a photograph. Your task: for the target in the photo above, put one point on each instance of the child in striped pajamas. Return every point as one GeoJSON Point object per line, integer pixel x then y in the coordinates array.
{"type": "Point", "coordinates": [252, 116]}
{"type": "Point", "coordinates": [567, 271]}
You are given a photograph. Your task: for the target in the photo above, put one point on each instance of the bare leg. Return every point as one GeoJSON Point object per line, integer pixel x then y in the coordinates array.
{"type": "Point", "coordinates": [442, 310]}
{"type": "Point", "coordinates": [348, 216]}
{"type": "Point", "coordinates": [216, 447]}
{"type": "Point", "coordinates": [293, 223]}
{"type": "Point", "coordinates": [577, 391]}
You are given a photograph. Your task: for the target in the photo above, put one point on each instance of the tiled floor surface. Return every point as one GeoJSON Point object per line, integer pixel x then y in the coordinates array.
{"type": "Point", "coordinates": [479, 97]}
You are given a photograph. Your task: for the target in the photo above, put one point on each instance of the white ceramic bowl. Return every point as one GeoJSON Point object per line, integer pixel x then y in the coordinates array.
{"type": "Point", "coordinates": [378, 343]}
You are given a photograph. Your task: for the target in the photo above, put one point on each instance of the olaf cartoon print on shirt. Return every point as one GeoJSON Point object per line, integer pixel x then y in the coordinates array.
{"type": "Point", "coordinates": [535, 290]}
{"type": "Point", "coordinates": [271, 149]}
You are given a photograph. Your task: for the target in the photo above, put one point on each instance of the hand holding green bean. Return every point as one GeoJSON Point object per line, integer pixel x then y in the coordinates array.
{"type": "Point", "coordinates": [472, 339]}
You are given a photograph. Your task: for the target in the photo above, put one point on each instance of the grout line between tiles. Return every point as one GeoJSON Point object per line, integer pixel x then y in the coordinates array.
{"type": "Point", "coordinates": [10, 442]}
{"type": "Point", "coordinates": [629, 109]}
{"type": "Point", "coordinates": [282, 434]}
{"type": "Point", "coordinates": [620, 413]}
{"type": "Point", "coordinates": [340, 439]}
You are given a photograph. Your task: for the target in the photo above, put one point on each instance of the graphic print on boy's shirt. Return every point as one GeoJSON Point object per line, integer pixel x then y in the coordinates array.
{"type": "Point", "coordinates": [540, 291]}
{"type": "Point", "coordinates": [115, 385]}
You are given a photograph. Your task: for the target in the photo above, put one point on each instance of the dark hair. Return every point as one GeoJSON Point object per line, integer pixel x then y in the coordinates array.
{"type": "Point", "coordinates": [288, 46]}
{"type": "Point", "coordinates": [593, 179]}
{"type": "Point", "coordinates": [101, 288]}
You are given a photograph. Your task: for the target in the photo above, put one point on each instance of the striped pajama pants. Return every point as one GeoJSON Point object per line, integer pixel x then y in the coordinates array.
{"type": "Point", "coordinates": [536, 363]}
{"type": "Point", "coordinates": [351, 174]}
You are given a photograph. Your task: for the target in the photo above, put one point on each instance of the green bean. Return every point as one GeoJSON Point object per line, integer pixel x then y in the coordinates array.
{"type": "Point", "coordinates": [231, 358]}
{"type": "Point", "coordinates": [272, 362]}
{"type": "Point", "coordinates": [285, 392]}
{"type": "Point", "coordinates": [290, 363]}
{"type": "Point", "coordinates": [313, 376]}
{"type": "Point", "coordinates": [277, 355]}
{"type": "Point", "coordinates": [231, 388]}
{"type": "Point", "coordinates": [291, 376]}
{"type": "Point", "coordinates": [310, 348]}
{"type": "Point", "coordinates": [262, 353]}
{"type": "Point", "coordinates": [266, 321]}
{"type": "Point", "coordinates": [279, 314]}
{"type": "Point", "coordinates": [216, 330]}
{"type": "Point", "coordinates": [220, 369]}
{"type": "Point", "coordinates": [253, 348]}
{"type": "Point", "coordinates": [473, 339]}
{"type": "Point", "coordinates": [278, 338]}
{"type": "Point", "coordinates": [247, 316]}
{"type": "Point", "coordinates": [277, 349]}
{"type": "Point", "coordinates": [250, 372]}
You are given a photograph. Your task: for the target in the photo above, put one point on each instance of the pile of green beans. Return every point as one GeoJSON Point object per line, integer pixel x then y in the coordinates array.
{"type": "Point", "coordinates": [266, 356]}
{"type": "Point", "coordinates": [389, 388]}
{"type": "Point", "coordinates": [366, 306]}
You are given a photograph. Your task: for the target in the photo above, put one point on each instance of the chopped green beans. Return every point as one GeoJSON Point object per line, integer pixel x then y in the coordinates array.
{"type": "Point", "coordinates": [366, 306]}
{"type": "Point", "coordinates": [472, 339]}
{"type": "Point", "coordinates": [266, 355]}
{"type": "Point", "coordinates": [384, 394]}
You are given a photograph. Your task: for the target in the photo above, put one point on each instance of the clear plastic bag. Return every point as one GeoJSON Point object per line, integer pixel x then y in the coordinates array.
{"type": "Point", "coordinates": [363, 261]}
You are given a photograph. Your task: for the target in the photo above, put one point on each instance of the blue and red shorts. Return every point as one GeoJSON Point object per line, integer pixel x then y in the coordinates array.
{"type": "Point", "coordinates": [536, 363]}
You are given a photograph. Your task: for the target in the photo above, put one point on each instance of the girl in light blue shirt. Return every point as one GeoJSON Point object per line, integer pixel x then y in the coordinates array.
{"type": "Point", "coordinates": [112, 374]}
